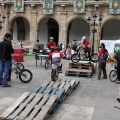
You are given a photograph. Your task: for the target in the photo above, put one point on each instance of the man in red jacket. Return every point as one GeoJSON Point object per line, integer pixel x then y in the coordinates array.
{"type": "Point", "coordinates": [102, 63]}
{"type": "Point", "coordinates": [51, 43]}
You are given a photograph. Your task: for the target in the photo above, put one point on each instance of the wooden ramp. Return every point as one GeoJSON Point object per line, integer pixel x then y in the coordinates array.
{"type": "Point", "coordinates": [38, 105]}
{"type": "Point", "coordinates": [30, 106]}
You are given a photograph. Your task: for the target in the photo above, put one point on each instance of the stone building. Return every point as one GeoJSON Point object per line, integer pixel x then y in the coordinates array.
{"type": "Point", "coordinates": [64, 24]}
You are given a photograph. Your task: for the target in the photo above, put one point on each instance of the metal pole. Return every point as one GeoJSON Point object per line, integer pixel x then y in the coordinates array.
{"type": "Point", "coordinates": [93, 39]}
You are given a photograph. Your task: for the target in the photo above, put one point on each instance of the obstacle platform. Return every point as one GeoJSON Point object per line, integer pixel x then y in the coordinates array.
{"type": "Point", "coordinates": [38, 105]}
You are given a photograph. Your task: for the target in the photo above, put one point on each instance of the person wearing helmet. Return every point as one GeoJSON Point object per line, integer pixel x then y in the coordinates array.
{"type": "Point", "coordinates": [117, 63]}
{"type": "Point", "coordinates": [51, 43]}
{"type": "Point", "coordinates": [55, 56]}
{"type": "Point", "coordinates": [102, 63]}
{"type": "Point", "coordinates": [85, 45]}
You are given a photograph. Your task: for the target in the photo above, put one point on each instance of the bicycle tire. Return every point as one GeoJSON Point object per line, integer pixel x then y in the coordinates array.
{"type": "Point", "coordinates": [23, 76]}
{"type": "Point", "coordinates": [54, 77]}
{"type": "Point", "coordinates": [113, 75]}
{"type": "Point", "coordinates": [75, 58]}
{"type": "Point", "coordinates": [94, 57]}
{"type": "Point", "coordinates": [47, 63]}
{"type": "Point", "coordinates": [20, 66]}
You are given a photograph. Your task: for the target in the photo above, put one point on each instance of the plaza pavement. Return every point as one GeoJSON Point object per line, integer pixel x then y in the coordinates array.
{"type": "Point", "coordinates": [92, 100]}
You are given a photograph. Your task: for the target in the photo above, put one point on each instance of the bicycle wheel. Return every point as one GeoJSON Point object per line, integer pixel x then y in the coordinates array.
{"type": "Point", "coordinates": [20, 66]}
{"type": "Point", "coordinates": [47, 63]}
{"type": "Point", "coordinates": [25, 75]}
{"type": "Point", "coordinates": [75, 58]}
{"type": "Point", "coordinates": [113, 75]}
{"type": "Point", "coordinates": [94, 58]}
{"type": "Point", "coordinates": [54, 77]}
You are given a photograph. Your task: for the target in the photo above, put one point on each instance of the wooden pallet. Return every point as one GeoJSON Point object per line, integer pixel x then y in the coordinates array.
{"type": "Point", "coordinates": [81, 65]}
{"type": "Point", "coordinates": [61, 88]}
{"type": "Point", "coordinates": [79, 72]}
{"type": "Point", "coordinates": [30, 106]}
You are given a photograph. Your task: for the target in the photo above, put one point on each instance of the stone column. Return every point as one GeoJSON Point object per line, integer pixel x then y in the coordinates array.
{"type": "Point", "coordinates": [62, 30]}
{"type": "Point", "coordinates": [33, 26]}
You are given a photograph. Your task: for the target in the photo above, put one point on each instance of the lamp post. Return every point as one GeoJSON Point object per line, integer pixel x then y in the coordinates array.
{"type": "Point", "coordinates": [93, 25]}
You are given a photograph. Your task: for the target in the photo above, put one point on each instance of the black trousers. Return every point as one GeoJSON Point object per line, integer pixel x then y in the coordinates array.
{"type": "Point", "coordinates": [118, 72]}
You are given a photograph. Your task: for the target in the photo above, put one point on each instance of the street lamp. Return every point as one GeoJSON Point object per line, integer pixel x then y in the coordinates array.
{"type": "Point", "coordinates": [93, 25]}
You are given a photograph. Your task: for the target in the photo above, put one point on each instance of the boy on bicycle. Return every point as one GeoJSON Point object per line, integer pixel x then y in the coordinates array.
{"type": "Point", "coordinates": [86, 46]}
{"type": "Point", "coordinates": [55, 56]}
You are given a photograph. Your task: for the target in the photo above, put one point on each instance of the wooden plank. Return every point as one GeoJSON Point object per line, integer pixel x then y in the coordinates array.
{"type": "Point", "coordinates": [48, 90]}
{"type": "Point", "coordinates": [43, 113]}
{"type": "Point", "coordinates": [38, 107]}
{"type": "Point", "coordinates": [60, 92]}
{"type": "Point", "coordinates": [50, 84]}
{"type": "Point", "coordinates": [52, 100]}
{"type": "Point", "coordinates": [30, 107]}
{"type": "Point", "coordinates": [79, 70]}
{"type": "Point", "coordinates": [36, 90]}
{"type": "Point", "coordinates": [67, 87]}
{"type": "Point", "coordinates": [57, 83]}
{"type": "Point", "coordinates": [22, 106]}
{"type": "Point", "coordinates": [15, 105]}
{"type": "Point", "coordinates": [54, 90]}
{"type": "Point", "coordinates": [42, 89]}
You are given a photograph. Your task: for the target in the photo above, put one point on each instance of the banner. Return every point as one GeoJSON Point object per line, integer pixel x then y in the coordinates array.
{"type": "Point", "coordinates": [114, 7]}
{"type": "Point", "coordinates": [19, 5]}
{"type": "Point", "coordinates": [48, 6]}
{"type": "Point", "coordinates": [79, 6]}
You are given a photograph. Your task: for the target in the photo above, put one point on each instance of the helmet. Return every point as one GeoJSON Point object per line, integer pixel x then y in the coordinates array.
{"type": "Point", "coordinates": [51, 38]}
{"type": "Point", "coordinates": [83, 38]}
{"type": "Point", "coordinates": [117, 49]}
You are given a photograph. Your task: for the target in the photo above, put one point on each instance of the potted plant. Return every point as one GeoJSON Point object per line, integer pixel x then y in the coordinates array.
{"type": "Point", "coordinates": [94, 30]}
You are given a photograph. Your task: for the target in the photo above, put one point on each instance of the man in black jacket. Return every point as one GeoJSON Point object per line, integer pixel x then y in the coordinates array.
{"type": "Point", "coordinates": [5, 59]}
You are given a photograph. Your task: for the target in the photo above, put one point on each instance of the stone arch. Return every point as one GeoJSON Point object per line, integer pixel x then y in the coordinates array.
{"type": "Point", "coordinates": [76, 33]}
{"type": "Point", "coordinates": [20, 27]}
{"type": "Point", "coordinates": [110, 29]}
{"type": "Point", "coordinates": [50, 27]}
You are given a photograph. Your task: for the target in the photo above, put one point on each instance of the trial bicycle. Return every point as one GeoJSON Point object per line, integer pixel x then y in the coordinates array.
{"type": "Point", "coordinates": [24, 75]}
{"type": "Point", "coordinates": [80, 55]}
{"type": "Point", "coordinates": [55, 72]}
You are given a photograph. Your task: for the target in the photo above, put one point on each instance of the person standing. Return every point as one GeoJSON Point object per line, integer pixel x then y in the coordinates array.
{"type": "Point", "coordinates": [117, 63]}
{"type": "Point", "coordinates": [102, 62]}
{"type": "Point", "coordinates": [51, 43]}
{"type": "Point", "coordinates": [6, 50]}
{"type": "Point", "coordinates": [37, 49]}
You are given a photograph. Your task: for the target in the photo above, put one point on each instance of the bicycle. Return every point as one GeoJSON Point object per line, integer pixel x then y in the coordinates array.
{"type": "Point", "coordinates": [21, 73]}
{"type": "Point", "coordinates": [55, 72]}
{"type": "Point", "coordinates": [76, 57]}
{"type": "Point", "coordinates": [113, 75]}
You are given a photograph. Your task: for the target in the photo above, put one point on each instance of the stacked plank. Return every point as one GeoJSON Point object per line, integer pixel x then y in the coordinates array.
{"type": "Point", "coordinates": [38, 105]}
{"type": "Point", "coordinates": [80, 69]}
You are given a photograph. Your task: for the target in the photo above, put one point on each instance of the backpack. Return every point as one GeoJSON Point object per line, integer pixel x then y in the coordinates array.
{"type": "Point", "coordinates": [105, 54]}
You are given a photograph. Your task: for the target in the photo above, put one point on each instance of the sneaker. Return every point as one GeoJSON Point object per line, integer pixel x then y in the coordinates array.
{"type": "Point", "coordinates": [118, 82]}
{"type": "Point", "coordinates": [7, 85]}
{"type": "Point", "coordinates": [104, 77]}
{"type": "Point", "coordinates": [99, 78]}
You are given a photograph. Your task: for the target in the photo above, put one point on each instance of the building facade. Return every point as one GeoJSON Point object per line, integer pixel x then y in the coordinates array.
{"type": "Point", "coordinates": [64, 24]}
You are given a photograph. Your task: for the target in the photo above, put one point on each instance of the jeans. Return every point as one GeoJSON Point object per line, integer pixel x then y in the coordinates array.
{"type": "Point", "coordinates": [4, 68]}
